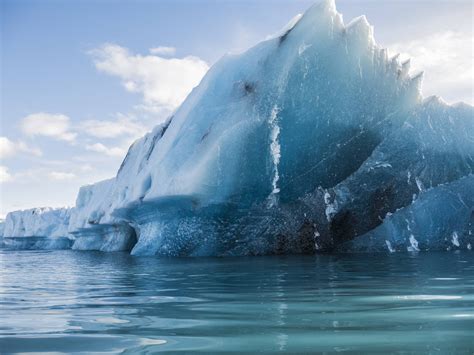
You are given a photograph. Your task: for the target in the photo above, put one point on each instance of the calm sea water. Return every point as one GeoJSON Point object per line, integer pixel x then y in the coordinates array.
{"type": "Point", "coordinates": [66, 302]}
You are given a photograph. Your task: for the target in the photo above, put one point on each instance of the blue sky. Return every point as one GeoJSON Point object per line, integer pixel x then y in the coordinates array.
{"type": "Point", "coordinates": [80, 80]}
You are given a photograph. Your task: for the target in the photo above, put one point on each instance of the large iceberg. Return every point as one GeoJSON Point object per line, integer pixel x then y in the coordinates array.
{"type": "Point", "coordinates": [313, 140]}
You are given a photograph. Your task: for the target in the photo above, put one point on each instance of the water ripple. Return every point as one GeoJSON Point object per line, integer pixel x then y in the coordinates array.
{"type": "Point", "coordinates": [76, 302]}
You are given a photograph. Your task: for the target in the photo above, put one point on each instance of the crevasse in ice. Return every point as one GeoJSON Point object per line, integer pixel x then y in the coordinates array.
{"type": "Point", "coordinates": [313, 140]}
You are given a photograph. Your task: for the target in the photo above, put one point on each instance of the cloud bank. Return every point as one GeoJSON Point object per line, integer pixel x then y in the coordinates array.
{"type": "Point", "coordinates": [9, 148]}
{"type": "Point", "coordinates": [163, 82]}
{"type": "Point", "coordinates": [49, 125]}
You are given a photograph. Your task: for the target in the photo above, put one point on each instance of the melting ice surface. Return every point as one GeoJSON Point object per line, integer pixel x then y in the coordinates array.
{"type": "Point", "coordinates": [90, 302]}
{"type": "Point", "coordinates": [314, 140]}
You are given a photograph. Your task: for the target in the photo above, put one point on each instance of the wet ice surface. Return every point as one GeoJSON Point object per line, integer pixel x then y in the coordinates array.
{"type": "Point", "coordinates": [70, 301]}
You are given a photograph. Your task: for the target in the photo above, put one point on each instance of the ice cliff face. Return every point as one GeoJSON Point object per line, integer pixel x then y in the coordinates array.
{"type": "Point", "coordinates": [311, 141]}
{"type": "Point", "coordinates": [91, 224]}
{"type": "Point", "coordinates": [37, 228]}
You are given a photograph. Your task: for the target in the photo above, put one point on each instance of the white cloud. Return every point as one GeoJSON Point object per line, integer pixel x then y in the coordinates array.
{"type": "Point", "coordinates": [163, 51]}
{"type": "Point", "coordinates": [8, 148]}
{"type": "Point", "coordinates": [61, 175]}
{"type": "Point", "coordinates": [50, 125]}
{"type": "Point", "coordinates": [447, 60]}
{"type": "Point", "coordinates": [163, 82]}
{"type": "Point", "coordinates": [112, 129]}
{"type": "Point", "coordinates": [4, 174]}
{"type": "Point", "coordinates": [24, 148]}
{"type": "Point", "coordinates": [85, 168]}
{"type": "Point", "coordinates": [100, 148]}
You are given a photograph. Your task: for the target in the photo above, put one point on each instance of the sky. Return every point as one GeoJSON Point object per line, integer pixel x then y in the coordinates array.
{"type": "Point", "coordinates": [82, 79]}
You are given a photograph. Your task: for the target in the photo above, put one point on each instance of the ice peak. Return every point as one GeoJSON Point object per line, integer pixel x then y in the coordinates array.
{"type": "Point", "coordinates": [328, 5]}
{"type": "Point", "coordinates": [322, 7]}
{"type": "Point", "coordinates": [287, 28]}
{"type": "Point", "coordinates": [361, 26]}
{"type": "Point", "coordinates": [435, 100]}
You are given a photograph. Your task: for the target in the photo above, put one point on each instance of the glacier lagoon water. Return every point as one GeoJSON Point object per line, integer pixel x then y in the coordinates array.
{"type": "Point", "coordinates": [91, 302]}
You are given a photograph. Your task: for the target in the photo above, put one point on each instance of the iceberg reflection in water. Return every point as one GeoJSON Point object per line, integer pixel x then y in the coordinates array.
{"type": "Point", "coordinates": [71, 301]}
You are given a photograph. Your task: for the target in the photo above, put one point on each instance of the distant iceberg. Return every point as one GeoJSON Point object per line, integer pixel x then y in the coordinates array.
{"type": "Point", "coordinates": [311, 141]}
{"type": "Point", "coordinates": [37, 228]}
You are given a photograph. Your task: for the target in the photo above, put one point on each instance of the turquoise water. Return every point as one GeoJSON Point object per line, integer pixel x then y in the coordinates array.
{"type": "Point", "coordinates": [66, 302]}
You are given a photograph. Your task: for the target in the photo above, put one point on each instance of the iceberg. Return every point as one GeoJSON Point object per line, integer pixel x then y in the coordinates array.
{"type": "Point", "coordinates": [37, 228]}
{"type": "Point", "coordinates": [91, 226]}
{"type": "Point", "coordinates": [312, 141]}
